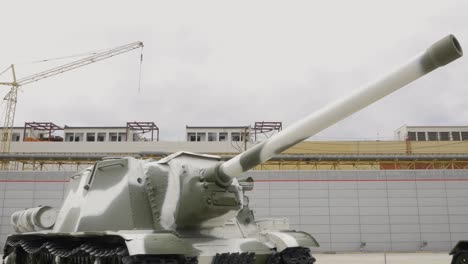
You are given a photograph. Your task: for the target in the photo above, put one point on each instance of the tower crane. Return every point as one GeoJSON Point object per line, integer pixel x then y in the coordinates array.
{"type": "Point", "coordinates": [12, 96]}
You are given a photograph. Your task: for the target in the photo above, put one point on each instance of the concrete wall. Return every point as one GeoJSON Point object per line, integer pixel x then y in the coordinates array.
{"type": "Point", "coordinates": [124, 147]}
{"type": "Point", "coordinates": [388, 210]}
{"type": "Point", "coordinates": [19, 190]}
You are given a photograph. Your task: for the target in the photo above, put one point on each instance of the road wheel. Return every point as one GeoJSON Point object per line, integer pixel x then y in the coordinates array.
{"type": "Point", "coordinates": [460, 258]}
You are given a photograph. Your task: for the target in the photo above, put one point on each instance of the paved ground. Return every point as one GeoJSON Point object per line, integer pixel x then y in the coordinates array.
{"type": "Point", "coordinates": [381, 258]}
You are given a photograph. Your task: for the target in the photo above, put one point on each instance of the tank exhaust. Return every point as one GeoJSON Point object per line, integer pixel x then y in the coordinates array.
{"type": "Point", "coordinates": [437, 55]}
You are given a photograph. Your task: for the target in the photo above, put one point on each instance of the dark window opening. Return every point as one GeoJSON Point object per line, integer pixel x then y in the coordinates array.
{"type": "Point", "coordinates": [90, 137]}
{"type": "Point", "coordinates": [79, 137]}
{"type": "Point", "coordinates": [412, 136]}
{"type": "Point", "coordinates": [69, 137]}
{"type": "Point", "coordinates": [211, 136]}
{"type": "Point", "coordinates": [421, 136]}
{"type": "Point", "coordinates": [432, 136]}
{"type": "Point", "coordinates": [122, 137]}
{"type": "Point", "coordinates": [235, 136]}
{"type": "Point", "coordinates": [456, 136]}
{"type": "Point", "coordinates": [113, 137]}
{"type": "Point", "coordinates": [464, 135]}
{"type": "Point", "coordinates": [444, 136]}
{"type": "Point", "coordinates": [222, 136]}
{"type": "Point", "coordinates": [101, 137]}
{"type": "Point", "coordinates": [192, 136]}
{"type": "Point", "coordinates": [15, 137]}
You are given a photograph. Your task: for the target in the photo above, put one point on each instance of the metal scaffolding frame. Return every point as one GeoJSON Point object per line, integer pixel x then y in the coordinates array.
{"type": "Point", "coordinates": [263, 127]}
{"type": "Point", "coordinates": [143, 128]}
{"type": "Point", "coordinates": [42, 126]}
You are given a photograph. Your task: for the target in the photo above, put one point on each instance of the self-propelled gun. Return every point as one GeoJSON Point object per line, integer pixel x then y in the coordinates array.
{"type": "Point", "coordinates": [187, 207]}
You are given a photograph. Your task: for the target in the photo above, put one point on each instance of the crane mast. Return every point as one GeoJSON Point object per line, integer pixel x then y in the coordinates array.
{"type": "Point", "coordinates": [12, 96]}
{"type": "Point", "coordinates": [7, 129]}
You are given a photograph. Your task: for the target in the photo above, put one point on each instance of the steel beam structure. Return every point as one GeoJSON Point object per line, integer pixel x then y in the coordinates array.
{"type": "Point", "coordinates": [74, 161]}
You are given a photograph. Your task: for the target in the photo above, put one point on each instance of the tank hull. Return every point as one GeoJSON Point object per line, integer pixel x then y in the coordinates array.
{"type": "Point", "coordinates": [146, 245]}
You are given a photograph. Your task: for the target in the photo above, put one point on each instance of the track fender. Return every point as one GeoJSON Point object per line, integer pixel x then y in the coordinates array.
{"type": "Point", "coordinates": [162, 243]}
{"type": "Point", "coordinates": [288, 239]}
{"type": "Point", "coordinates": [462, 245]}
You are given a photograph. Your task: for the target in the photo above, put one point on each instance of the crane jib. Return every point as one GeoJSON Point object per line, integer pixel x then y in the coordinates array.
{"type": "Point", "coordinates": [11, 98]}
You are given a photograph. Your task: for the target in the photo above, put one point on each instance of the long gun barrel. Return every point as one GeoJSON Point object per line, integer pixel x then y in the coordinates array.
{"type": "Point", "coordinates": [438, 54]}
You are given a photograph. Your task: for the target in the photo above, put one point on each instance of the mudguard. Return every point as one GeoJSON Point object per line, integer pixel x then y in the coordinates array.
{"type": "Point", "coordinates": [290, 239]}
{"type": "Point", "coordinates": [462, 245]}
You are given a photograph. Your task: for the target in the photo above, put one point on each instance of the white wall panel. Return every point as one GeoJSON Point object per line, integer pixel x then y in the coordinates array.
{"type": "Point", "coordinates": [389, 210]}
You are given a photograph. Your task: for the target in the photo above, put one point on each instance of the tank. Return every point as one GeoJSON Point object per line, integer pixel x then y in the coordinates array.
{"type": "Point", "coordinates": [460, 252]}
{"type": "Point", "coordinates": [188, 207]}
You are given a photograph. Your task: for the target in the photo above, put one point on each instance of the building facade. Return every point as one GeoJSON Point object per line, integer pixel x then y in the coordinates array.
{"type": "Point", "coordinates": [218, 133]}
{"type": "Point", "coordinates": [47, 131]}
{"type": "Point", "coordinates": [432, 133]}
{"type": "Point", "coordinates": [400, 195]}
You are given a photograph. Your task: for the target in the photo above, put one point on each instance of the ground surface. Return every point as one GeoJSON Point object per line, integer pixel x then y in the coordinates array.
{"type": "Point", "coordinates": [381, 258]}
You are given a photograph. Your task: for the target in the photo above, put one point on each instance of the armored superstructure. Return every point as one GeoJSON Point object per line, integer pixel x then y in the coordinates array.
{"type": "Point", "coordinates": [187, 207]}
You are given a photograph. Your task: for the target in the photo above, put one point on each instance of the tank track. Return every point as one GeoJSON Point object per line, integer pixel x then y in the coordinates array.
{"type": "Point", "coordinates": [292, 256]}
{"type": "Point", "coordinates": [234, 258]}
{"type": "Point", "coordinates": [39, 252]}
{"type": "Point", "coordinates": [36, 251]}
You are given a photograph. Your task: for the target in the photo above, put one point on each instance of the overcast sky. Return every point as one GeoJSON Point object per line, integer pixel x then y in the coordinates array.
{"type": "Point", "coordinates": [233, 63]}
